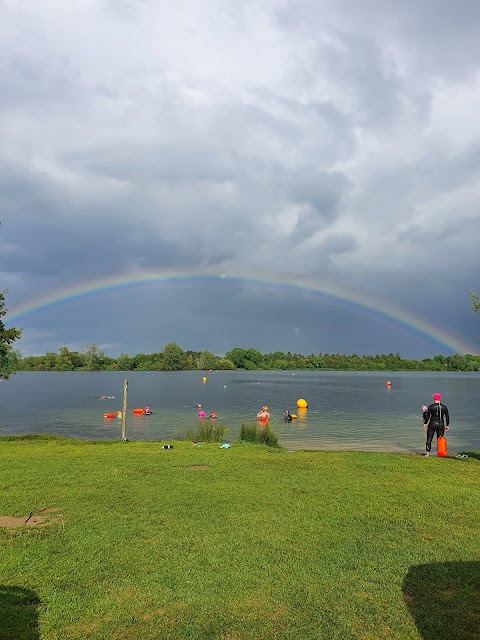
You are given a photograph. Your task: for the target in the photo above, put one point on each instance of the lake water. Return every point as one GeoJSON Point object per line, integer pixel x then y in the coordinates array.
{"type": "Point", "coordinates": [346, 410]}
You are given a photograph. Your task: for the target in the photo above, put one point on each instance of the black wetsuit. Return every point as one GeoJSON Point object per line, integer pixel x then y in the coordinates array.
{"type": "Point", "coordinates": [437, 416]}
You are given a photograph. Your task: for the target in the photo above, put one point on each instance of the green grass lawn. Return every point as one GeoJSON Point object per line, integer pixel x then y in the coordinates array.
{"type": "Point", "coordinates": [139, 542]}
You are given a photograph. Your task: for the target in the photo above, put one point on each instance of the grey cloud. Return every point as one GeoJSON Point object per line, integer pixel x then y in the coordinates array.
{"type": "Point", "coordinates": [322, 191]}
{"type": "Point", "coordinates": [324, 156]}
{"type": "Point", "coordinates": [432, 36]}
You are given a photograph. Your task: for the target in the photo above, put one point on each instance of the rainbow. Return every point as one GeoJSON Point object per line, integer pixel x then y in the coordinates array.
{"type": "Point", "coordinates": [335, 293]}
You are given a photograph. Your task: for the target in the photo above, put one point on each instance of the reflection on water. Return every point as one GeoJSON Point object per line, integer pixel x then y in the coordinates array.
{"type": "Point", "coordinates": [347, 410]}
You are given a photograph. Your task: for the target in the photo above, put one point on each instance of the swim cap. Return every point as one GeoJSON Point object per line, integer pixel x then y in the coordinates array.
{"type": "Point", "coordinates": [437, 396]}
{"type": "Point", "coordinates": [147, 407]}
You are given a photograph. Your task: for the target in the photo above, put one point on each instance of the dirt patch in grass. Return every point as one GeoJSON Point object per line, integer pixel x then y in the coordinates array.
{"type": "Point", "coordinates": [42, 518]}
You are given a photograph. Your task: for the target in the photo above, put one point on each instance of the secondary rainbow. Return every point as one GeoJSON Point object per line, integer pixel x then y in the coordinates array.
{"type": "Point", "coordinates": [336, 293]}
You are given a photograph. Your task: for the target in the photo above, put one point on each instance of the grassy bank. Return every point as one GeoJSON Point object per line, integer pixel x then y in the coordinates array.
{"type": "Point", "coordinates": [129, 540]}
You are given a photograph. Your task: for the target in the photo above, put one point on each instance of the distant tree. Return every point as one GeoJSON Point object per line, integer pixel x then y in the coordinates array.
{"type": "Point", "coordinates": [28, 363]}
{"type": "Point", "coordinates": [174, 357]}
{"type": "Point", "coordinates": [64, 360]}
{"type": "Point", "coordinates": [207, 360]}
{"type": "Point", "coordinates": [225, 364]}
{"type": "Point", "coordinates": [125, 362]}
{"type": "Point", "coordinates": [238, 356]}
{"type": "Point", "coordinates": [255, 356]}
{"type": "Point", "coordinates": [8, 358]}
{"type": "Point", "coordinates": [50, 361]}
{"type": "Point", "coordinates": [475, 301]}
{"type": "Point", "coordinates": [93, 357]}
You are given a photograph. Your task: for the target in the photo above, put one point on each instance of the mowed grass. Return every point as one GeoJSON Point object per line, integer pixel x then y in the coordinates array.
{"type": "Point", "coordinates": [246, 542]}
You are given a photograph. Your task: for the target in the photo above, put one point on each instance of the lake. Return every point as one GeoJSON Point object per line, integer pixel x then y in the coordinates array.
{"type": "Point", "coordinates": [346, 410]}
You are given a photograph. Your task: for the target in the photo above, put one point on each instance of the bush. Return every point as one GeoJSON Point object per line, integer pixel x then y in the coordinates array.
{"type": "Point", "coordinates": [252, 432]}
{"type": "Point", "coordinates": [207, 431]}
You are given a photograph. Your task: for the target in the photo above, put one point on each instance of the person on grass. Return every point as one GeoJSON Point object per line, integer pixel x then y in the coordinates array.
{"type": "Point", "coordinates": [436, 421]}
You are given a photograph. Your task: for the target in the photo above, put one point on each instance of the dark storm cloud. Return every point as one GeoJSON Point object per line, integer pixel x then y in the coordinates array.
{"type": "Point", "coordinates": [328, 141]}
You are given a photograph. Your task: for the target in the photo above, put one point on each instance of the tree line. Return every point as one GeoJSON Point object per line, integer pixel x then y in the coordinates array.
{"type": "Point", "coordinates": [173, 358]}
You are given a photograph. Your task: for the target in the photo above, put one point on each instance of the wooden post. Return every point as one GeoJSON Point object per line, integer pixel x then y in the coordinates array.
{"type": "Point", "coordinates": [124, 413]}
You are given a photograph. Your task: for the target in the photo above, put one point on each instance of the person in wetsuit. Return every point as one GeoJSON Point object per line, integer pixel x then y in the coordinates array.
{"type": "Point", "coordinates": [436, 421]}
{"type": "Point", "coordinates": [286, 416]}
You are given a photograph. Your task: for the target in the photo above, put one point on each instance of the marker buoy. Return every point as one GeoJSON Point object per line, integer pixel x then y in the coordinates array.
{"type": "Point", "coordinates": [441, 446]}
{"type": "Point", "coordinates": [302, 403]}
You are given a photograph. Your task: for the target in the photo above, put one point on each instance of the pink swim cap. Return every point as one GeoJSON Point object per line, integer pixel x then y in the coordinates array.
{"type": "Point", "coordinates": [437, 396]}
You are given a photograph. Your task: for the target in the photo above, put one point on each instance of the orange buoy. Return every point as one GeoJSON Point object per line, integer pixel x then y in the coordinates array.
{"type": "Point", "coordinates": [109, 415]}
{"type": "Point", "coordinates": [441, 446]}
{"type": "Point", "coordinates": [138, 411]}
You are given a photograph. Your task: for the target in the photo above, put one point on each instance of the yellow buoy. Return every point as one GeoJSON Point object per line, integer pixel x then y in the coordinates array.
{"type": "Point", "coordinates": [204, 379]}
{"type": "Point", "coordinates": [302, 404]}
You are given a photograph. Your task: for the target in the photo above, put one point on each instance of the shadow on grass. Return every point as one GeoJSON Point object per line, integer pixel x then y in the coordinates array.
{"type": "Point", "coordinates": [18, 614]}
{"type": "Point", "coordinates": [473, 454]}
{"type": "Point", "coordinates": [444, 600]}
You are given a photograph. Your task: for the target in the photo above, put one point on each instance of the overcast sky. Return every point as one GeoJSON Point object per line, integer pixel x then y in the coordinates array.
{"type": "Point", "coordinates": [329, 142]}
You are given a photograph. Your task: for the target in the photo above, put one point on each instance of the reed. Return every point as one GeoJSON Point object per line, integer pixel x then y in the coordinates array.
{"type": "Point", "coordinates": [207, 431]}
{"type": "Point", "coordinates": [252, 432]}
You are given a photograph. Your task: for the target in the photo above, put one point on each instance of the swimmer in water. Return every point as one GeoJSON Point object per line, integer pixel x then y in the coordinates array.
{"type": "Point", "coordinates": [263, 414]}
